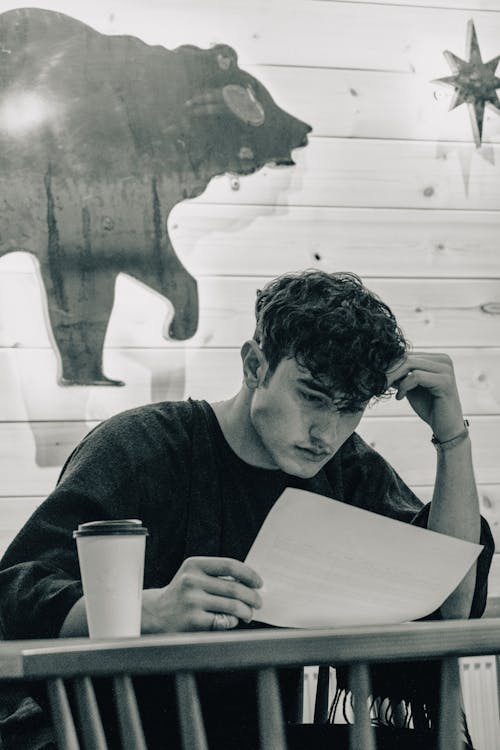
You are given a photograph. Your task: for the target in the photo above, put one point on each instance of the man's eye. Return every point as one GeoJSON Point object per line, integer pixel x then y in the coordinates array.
{"type": "Point", "coordinates": [311, 397]}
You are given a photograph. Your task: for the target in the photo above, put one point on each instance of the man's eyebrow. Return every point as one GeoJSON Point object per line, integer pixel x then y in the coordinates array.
{"type": "Point", "coordinates": [316, 385]}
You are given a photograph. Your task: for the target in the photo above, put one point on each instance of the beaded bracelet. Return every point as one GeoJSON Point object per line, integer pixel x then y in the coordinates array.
{"type": "Point", "coordinates": [452, 442]}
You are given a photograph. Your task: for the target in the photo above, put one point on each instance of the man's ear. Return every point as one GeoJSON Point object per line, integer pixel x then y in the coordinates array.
{"type": "Point", "coordinates": [255, 364]}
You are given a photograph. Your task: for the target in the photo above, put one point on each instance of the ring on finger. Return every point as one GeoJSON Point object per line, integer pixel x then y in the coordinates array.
{"type": "Point", "coordinates": [221, 621]}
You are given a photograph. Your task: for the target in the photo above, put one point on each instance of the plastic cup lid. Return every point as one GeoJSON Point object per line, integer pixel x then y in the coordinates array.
{"type": "Point", "coordinates": [104, 528]}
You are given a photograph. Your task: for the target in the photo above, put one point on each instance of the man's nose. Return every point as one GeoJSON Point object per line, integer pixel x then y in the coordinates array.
{"type": "Point", "coordinates": [323, 432]}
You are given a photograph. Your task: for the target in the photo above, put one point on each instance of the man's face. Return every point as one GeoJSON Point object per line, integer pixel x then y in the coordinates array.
{"type": "Point", "coordinates": [297, 423]}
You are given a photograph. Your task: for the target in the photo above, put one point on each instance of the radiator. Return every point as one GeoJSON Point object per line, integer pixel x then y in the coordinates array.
{"type": "Point", "coordinates": [480, 693]}
{"type": "Point", "coordinates": [478, 676]}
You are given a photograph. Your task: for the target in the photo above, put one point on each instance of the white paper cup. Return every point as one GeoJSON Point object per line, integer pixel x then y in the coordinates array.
{"type": "Point", "coordinates": [111, 556]}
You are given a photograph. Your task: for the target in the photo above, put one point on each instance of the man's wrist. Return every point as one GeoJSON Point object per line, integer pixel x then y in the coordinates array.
{"type": "Point", "coordinates": [449, 443]}
{"type": "Point", "coordinates": [150, 621]}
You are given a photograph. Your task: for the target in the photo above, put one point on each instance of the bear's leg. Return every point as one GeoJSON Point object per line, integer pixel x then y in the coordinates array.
{"type": "Point", "coordinates": [79, 302]}
{"type": "Point", "coordinates": [164, 273]}
{"type": "Point", "coordinates": [182, 291]}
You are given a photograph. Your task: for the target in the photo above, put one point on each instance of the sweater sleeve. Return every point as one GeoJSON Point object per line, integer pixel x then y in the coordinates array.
{"type": "Point", "coordinates": [371, 483]}
{"type": "Point", "coordinates": [119, 470]}
{"type": "Point", "coordinates": [39, 573]}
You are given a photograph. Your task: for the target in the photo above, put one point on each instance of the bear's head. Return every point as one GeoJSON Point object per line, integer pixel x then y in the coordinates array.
{"type": "Point", "coordinates": [233, 121]}
{"type": "Point", "coordinates": [112, 107]}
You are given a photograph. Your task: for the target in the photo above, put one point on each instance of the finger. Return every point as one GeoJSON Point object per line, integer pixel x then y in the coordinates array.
{"type": "Point", "coordinates": [404, 385]}
{"type": "Point", "coordinates": [222, 621]}
{"type": "Point", "coordinates": [233, 607]}
{"type": "Point", "coordinates": [414, 366]}
{"type": "Point", "coordinates": [227, 566]}
{"type": "Point", "coordinates": [221, 586]}
{"type": "Point", "coordinates": [194, 581]}
{"type": "Point", "coordinates": [437, 356]}
{"type": "Point", "coordinates": [396, 372]}
{"type": "Point", "coordinates": [206, 620]}
{"type": "Point", "coordinates": [426, 361]}
{"type": "Point", "coordinates": [431, 381]}
{"type": "Point", "coordinates": [429, 363]}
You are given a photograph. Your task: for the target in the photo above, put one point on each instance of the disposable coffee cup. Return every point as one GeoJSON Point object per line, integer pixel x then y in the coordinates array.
{"type": "Point", "coordinates": [111, 557]}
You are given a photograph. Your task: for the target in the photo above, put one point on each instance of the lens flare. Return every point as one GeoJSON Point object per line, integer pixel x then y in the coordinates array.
{"type": "Point", "coordinates": [23, 112]}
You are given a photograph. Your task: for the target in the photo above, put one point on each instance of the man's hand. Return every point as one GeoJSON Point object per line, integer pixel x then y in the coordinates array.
{"type": "Point", "coordinates": [201, 588]}
{"type": "Point", "coordinates": [428, 382]}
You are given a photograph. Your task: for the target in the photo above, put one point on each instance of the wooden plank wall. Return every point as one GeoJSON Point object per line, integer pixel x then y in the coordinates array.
{"type": "Point", "coordinates": [391, 186]}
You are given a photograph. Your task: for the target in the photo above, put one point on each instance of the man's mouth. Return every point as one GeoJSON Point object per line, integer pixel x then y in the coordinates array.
{"type": "Point", "coordinates": [312, 454]}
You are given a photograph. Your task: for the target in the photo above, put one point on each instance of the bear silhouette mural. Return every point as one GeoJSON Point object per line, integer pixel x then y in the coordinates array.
{"type": "Point", "coordinates": [100, 137]}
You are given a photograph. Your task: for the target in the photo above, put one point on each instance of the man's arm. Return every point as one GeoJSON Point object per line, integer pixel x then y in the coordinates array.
{"type": "Point", "coordinates": [455, 511]}
{"type": "Point", "coordinates": [202, 587]}
{"type": "Point", "coordinates": [428, 382]}
{"type": "Point", "coordinates": [75, 623]}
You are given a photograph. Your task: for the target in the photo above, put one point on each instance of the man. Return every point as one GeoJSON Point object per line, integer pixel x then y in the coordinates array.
{"type": "Point", "coordinates": [203, 477]}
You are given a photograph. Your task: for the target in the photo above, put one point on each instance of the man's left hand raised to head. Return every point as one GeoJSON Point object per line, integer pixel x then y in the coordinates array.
{"type": "Point", "coordinates": [427, 380]}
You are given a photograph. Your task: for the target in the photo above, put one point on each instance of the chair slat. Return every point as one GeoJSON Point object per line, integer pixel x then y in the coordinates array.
{"type": "Point", "coordinates": [497, 662]}
{"type": "Point", "coordinates": [190, 716]}
{"type": "Point", "coordinates": [92, 732]}
{"type": "Point", "coordinates": [450, 707]}
{"type": "Point", "coordinates": [361, 734]}
{"type": "Point", "coordinates": [62, 718]}
{"type": "Point", "coordinates": [129, 719]}
{"type": "Point", "coordinates": [271, 727]}
{"type": "Point", "coordinates": [322, 694]}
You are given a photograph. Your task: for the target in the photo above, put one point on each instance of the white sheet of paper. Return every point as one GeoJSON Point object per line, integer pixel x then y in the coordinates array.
{"type": "Point", "coordinates": [328, 564]}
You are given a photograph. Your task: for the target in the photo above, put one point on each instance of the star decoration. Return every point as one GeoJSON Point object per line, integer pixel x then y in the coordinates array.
{"type": "Point", "coordinates": [475, 82]}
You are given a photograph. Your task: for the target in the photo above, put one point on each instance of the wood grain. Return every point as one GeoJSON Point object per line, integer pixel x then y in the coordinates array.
{"type": "Point", "coordinates": [371, 173]}
{"type": "Point", "coordinates": [179, 652]}
{"type": "Point", "coordinates": [172, 374]}
{"type": "Point", "coordinates": [64, 725]}
{"type": "Point", "coordinates": [189, 711]}
{"type": "Point", "coordinates": [347, 103]}
{"type": "Point", "coordinates": [361, 733]}
{"type": "Point", "coordinates": [230, 240]}
{"type": "Point", "coordinates": [89, 718]}
{"type": "Point", "coordinates": [405, 443]}
{"type": "Point", "coordinates": [250, 240]}
{"type": "Point", "coordinates": [451, 4]}
{"type": "Point", "coordinates": [432, 312]}
{"type": "Point", "coordinates": [129, 718]}
{"type": "Point", "coordinates": [450, 715]}
{"type": "Point", "coordinates": [325, 34]}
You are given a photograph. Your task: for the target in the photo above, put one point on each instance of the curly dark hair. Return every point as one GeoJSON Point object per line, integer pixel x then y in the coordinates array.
{"type": "Point", "coordinates": [335, 327]}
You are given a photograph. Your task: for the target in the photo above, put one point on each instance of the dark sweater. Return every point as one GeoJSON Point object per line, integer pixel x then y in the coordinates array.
{"type": "Point", "coordinates": [170, 465]}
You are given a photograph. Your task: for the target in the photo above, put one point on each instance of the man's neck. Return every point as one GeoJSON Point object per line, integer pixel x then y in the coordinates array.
{"type": "Point", "coordinates": [234, 419]}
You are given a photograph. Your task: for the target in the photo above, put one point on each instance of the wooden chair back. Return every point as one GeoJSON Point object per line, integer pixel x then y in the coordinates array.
{"type": "Point", "coordinates": [76, 662]}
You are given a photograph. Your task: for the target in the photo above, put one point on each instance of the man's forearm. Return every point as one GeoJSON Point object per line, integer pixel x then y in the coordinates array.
{"type": "Point", "coordinates": [75, 623]}
{"type": "Point", "coordinates": [455, 512]}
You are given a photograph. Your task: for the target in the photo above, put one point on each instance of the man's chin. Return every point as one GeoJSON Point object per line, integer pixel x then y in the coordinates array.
{"type": "Point", "coordinates": [300, 469]}
{"type": "Point", "coordinates": [307, 473]}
